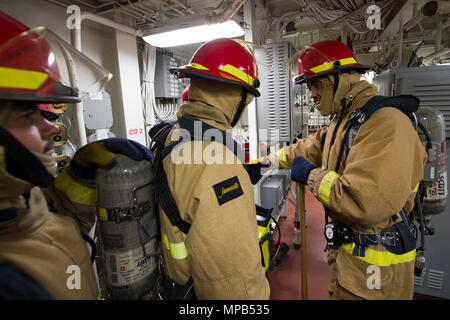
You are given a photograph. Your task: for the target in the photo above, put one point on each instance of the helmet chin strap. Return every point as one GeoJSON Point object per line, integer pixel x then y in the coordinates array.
{"type": "Point", "coordinates": [240, 108]}
{"type": "Point", "coordinates": [337, 72]}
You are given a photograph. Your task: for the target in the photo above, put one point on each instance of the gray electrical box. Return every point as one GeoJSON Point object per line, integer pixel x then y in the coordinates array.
{"type": "Point", "coordinates": [166, 85]}
{"type": "Point", "coordinates": [277, 110]}
{"type": "Point", "coordinates": [274, 189]}
{"type": "Point", "coordinates": [272, 194]}
{"type": "Point", "coordinates": [432, 86]}
{"type": "Point", "coordinates": [97, 111]}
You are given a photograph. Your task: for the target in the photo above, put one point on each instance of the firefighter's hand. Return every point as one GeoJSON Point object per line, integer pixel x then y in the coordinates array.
{"type": "Point", "coordinates": [103, 153]}
{"type": "Point", "coordinates": [300, 170]}
{"type": "Point", "coordinates": [254, 168]}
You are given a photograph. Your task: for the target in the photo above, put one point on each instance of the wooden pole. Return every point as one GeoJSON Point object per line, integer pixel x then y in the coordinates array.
{"type": "Point", "coordinates": [301, 206]}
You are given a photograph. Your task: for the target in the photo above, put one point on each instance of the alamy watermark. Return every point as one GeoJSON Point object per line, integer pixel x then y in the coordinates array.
{"type": "Point", "coordinates": [73, 21]}
{"type": "Point", "coordinates": [374, 20]}
{"type": "Point", "coordinates": [374, 278]}
{"type": "Point", "coordinates": [74, 278]}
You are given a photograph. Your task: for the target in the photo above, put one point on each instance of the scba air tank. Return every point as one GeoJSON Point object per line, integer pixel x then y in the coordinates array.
{"type": "Point", "coordinates": [128, 227]}
{"type": "Point", "coordinates": [435, 172]}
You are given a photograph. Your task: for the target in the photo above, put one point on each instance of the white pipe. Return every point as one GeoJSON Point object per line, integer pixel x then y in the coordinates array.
{"type": "Point", "coordinates": [436, 54]}
{"type": "Point", "coordinates": [75, 40]}
{"type": "Point", "coordinates": [109, 23]}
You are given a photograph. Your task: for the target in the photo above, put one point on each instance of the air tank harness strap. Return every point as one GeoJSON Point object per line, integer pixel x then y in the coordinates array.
{"type": "Point", "coordinates": [159, 134]}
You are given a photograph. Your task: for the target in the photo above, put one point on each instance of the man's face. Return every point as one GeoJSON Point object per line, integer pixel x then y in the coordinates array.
{"type": "Point", "coordinates": [315, 91]}
{"type": "Point", "coordinates": [31, 129]}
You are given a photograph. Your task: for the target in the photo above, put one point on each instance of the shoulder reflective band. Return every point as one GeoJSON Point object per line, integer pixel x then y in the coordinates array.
{"type": "Point", "coordinates": [329, 65]}
{"type": "Point", "coordinates": [177, 250]}
{"type": "Point", "coordinates": [238, 73]}
{"type": "Point", "coordinates": [416, 188]}
{"type": "Point", "coordinates": [75, 191]}
{"type": "Point", "coordinates": [381, 258]}
{"type": "Point", "coordinates": [325, 187]}
{"type": "Point", "coordinates": [282, 160]}
{"type": "Point", "coordinates": [197, 66]}
{"type": "Point", "coordinates": [21, 79]}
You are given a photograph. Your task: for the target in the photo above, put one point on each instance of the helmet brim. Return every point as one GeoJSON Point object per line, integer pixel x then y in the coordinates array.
{"type": "Point", "coordinates": [300, 79]}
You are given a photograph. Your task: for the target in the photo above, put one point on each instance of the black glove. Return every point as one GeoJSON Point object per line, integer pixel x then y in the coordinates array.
{"type": "Point", "coordinates": [300, 170]}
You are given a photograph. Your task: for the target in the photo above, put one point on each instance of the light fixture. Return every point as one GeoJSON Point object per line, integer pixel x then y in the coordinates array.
{"type": "Point", "coordinates": [201, 33]}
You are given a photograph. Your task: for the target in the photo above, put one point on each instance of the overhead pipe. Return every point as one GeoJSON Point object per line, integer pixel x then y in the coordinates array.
{"type": "Point", "coordinates": [227, 14]}
{"type": "Point", "coordinates": [431, 57]}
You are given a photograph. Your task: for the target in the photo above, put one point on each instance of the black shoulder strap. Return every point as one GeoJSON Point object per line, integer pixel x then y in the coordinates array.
{"type": "Point", "coordinates": [159, 134]}
{"type": "Point", "coordinates": [405, 103]}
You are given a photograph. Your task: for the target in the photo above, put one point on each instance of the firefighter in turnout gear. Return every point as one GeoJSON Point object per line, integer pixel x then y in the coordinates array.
{"type": "Point", "coordinates": [210, 235]}
{"type": "Point", "coordinates": [44, 221]}
{"type": "Point", "coordinates": [366, 182]}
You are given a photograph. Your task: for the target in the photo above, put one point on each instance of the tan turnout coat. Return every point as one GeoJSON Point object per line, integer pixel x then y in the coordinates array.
{"type": "Point", "coordinates": [45, 245]}
{"type": "Point", "coordinates": [376, 180]}
{"type": "Point", "coordinates": [221, 251]}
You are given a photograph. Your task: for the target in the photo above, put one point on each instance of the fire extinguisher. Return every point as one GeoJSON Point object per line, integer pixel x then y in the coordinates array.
{"type": "Point", "coordinates": [128, 227]}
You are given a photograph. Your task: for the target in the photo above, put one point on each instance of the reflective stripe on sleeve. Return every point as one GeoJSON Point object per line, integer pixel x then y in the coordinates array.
{"type": "Point", "coordinates": [282, 160]}
{"type": "Point", "coordinates": [75, 191]}
{"type": "Point", "coordinates": [325, 187]}
{"type": "Point", "coordinates": [177, 250]}
{"type": "Point", "coordinates": [381, 258]}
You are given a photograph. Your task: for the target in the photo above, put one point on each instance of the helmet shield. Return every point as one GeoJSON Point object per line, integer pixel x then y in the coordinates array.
{"type": "Point", "coordinates": [35, 66]}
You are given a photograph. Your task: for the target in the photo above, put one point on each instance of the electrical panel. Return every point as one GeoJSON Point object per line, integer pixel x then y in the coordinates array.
{"type": "Point", "coordinates": [280, 108]}
{"type": "Point", "coordinates": [430, 84]}
{"type": "Point", "coordinates": [166, 85]}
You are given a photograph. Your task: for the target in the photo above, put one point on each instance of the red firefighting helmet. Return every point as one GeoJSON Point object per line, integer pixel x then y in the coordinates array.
{"type": "Point", "coordinates": [34, 66]}
{"type": "Point", "coordinates": [226, 60]}
{"type": "Point", "coordinates": [326, 57]}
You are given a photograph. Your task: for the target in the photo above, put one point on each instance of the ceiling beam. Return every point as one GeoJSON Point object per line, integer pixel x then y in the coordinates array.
{"type": "Point", "coordinates": [404, 11]}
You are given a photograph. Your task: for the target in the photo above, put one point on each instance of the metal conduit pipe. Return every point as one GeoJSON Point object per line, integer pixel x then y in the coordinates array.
{"type": "Point", "coordinates": [184, 6]}
{"type": "Point", "coordinates": [227, 14]}
{"type": "Point", "coordinates": [436, 7]}
{"type": "Point", "coordinates": [75, 40]}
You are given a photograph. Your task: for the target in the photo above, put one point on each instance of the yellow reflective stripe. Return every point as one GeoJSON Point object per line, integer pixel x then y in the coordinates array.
{"type": "Point", "coordinates": [283, 164]}
{"type": "Point", "coordinates": [381, 258]}
{"type": "Point", "coordinates": [416, 188]}
{"type": "Point", "coordinates": [75, 191]}
{"type": "Point", "coordinates": [238, 73]}
{"type": "Point", "coordinates": [325, 187]}
{"type": "Point", "coordinates": [177, 250]}
{"type": "Point", "coordinates": [197, 66]}
{"type": "Point", "coordinates": [102, 214]}
{"type": "Point", "coordinates": [21, 79]}
{"type": "Point", "coordinates": [329, 65]}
